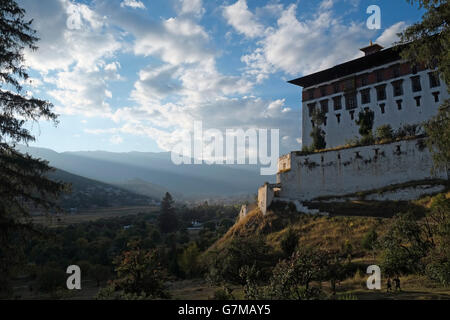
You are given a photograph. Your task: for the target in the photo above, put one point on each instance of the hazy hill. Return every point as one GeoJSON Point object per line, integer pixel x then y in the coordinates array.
{"type": "Point", "coordinates": [154, 168]}
{"type": "Point", "coordinates": [89, 194]}
{"type": "Point", "coordinates": [145, 188]}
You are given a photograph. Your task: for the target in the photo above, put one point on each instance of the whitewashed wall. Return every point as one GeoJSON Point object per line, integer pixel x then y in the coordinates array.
{"type": "Point", "coordinates": [265, 197]}
{"type": "Point", "coordinates": [338, 134]}
{"type": "Point", "coordinates": [356, 169]}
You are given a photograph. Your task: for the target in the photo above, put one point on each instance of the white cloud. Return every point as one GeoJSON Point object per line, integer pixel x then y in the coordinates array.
{"type": "Point", "coordinates": [69, 34]}
{"type": "Point", "coordinates": [116, 139]}
{"type": "Point", "coordinates": [135, 4]}
{"type": "Point", "coordinates": [82, 92]}
{"type": "Point", "coordinates": [75, 44]}
{"type": "Point", "coordinates": [171, 123]}
{"type": "Point", "coordinates": [305, 46]}
{"type": "Point", "coordinates": [242, 19]}
{"type": "Point", "coordinates": [156, 84]}
{"type": "Point", "coordinates": [389, 36]}
{"type": "Point", "coordinates": [191, 7]}
{"type": "Point", "coordinates": [182, 80]}
{"type": "Point", "coordinates": [326, 4]}
{"type": "Point", "coordinates": [176, 41]}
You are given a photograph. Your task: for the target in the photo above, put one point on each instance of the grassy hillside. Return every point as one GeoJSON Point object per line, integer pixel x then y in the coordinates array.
{"type": "Point", "coordinates": [348, 221]}
{"type": "Point", "coordinates": [340, 233]}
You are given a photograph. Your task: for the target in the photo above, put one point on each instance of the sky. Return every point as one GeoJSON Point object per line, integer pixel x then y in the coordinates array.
{"type": "Point", "coordinates": [134, 75]}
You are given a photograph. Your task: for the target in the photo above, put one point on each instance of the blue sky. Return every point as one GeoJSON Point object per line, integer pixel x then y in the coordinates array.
{"type": "Point", "coordinates": [129, 75]}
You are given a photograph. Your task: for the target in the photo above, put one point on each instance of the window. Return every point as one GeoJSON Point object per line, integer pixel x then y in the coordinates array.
{"type": "Point", "coordinates": [396, 71]}
{"type": "Point", "coordinates": [311, 107]}
{"type": "Point", "coordinates": [349, 84]}
{"type": "Point", "coordinates": [414, 69]}
{"type": "Point", "coordinates": [379, 74]}
{"type": "Point", "coordinates": [352, 115]}
{"type": "Point", "coordinates": [434, 79]}
{"type": "Point", "coordinates": [337, 101]}
{"type": "Point", "coordinates": [336, 87]}
{"type": "Point", "coordinates": [436, 96]}
{"type": "Point", "coordinates": [398, 88]}
{"type": "Point", "coordinates": [383, 108]}
{"type": "Point", "coordinates": [324, 106]}
{"type": "Point", "coordinates": [416, 86]}
{"type": "Point", "coordinates": [311, 94]}
{"type": "Point", "coordinates": [381, 92]}
{"type": "Point", "coordinates": [364, 80]}
{"type": "Point", "coordinates": [338, 117]}
{"type": "Point", "coordinates": [365, 96]}
{"type": "Point", "coordinates": [399, 104]}
{"type": "Point", "coordinates": [350, 102]}
{"type": "Point", "coordinates": [417, 101]}
{"type": "Point", "coordinates": [323, 91]}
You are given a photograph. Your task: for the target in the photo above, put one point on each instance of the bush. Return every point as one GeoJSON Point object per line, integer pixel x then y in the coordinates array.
{"type": "Point", "coordinates": [384, 132]}
{"type": "Point", "coordinates": [408, 130]}
{"type": "Point", "coordinates": [189, 261]}
{"type": "Point", "coordinates": [404, 246]}
{"type": "Point", "coordinates": [365, 122]}
{"type": "Point", "coordinates": [225, 266]}
{"type": "Point", "coordinates": [49, 279]}
{"type": "Point", "coordinates": [367, 140]}
{"type": "Point", "coordinates": [289, 242]}
{"type": "Point", "coordinates": [223, 294]}
{"type": "Point", "coordinates": [370, 240]}
{"type": "Point", "coordinates": [318, 136]}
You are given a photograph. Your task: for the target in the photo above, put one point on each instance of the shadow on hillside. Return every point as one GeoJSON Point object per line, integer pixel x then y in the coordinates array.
{"type": "Point", "coordinates": [403, 295]}
{"type": "Point", "coordinates": [363, 208]}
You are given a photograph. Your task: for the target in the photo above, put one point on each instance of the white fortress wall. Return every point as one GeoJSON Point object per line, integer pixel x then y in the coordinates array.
{"type": "Point", "coordinates": [353, 170]}
{"type": "Point", "coordinates": [265, 197]}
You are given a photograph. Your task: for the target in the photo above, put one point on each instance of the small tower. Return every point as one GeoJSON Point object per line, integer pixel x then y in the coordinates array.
{"type": "Point", "coordinates": [371, 49]}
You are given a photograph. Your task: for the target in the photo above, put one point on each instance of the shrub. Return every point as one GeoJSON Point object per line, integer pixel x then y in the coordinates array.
{"type": "Point", "coordinates": [370, 240]}
{"type": "Point", "coordinates": [223, 294]}
{"type": "Point", "coordinates": [367, 140]}
{"type": "Point", "coordinates": [224, 266]}
{"type": "Point", "coordinates": [384, 132]}
{"type": "Point", "coordinates": [365, 122]}
{"type": "Point", "coordinates": [189, 260]}
{"type": "Point", "coordinates": [49, 279]}
{"type": "Point", "coordinates": [289, 242]}
{"type": "Point", "coordinates": [318, 136]}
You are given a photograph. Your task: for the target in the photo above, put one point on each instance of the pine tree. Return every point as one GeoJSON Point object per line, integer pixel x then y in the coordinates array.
{"type": "Point", "coordinates": [168, 221]}
{"type": "Point", "coordinates": [24, 184]}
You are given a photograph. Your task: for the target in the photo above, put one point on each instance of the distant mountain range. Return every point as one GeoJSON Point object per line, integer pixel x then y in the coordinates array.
{"type": "Point", "coordinates": [152, 174]}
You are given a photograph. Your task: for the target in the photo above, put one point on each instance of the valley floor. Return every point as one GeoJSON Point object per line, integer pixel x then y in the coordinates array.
{"type": "Point", "coordinates": [413, 288]}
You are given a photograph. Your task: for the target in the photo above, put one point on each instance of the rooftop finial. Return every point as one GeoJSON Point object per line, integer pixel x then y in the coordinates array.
{"type": "Point", "coordinates": [372, 48]}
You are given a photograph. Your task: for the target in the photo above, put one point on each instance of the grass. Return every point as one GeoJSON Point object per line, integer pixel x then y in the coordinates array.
{"type": "Point", "coordinates": [63, 220]}
{"type": "Point", "coordinates": [326, 232]}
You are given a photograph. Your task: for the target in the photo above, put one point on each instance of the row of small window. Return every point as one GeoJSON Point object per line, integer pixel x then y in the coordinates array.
{"type": "Point", "coordinates": [382, 106]}
{"type": "Point", "coordinates": [351, 83]}
{"type": "Point", "coordinates": [397, 86]}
